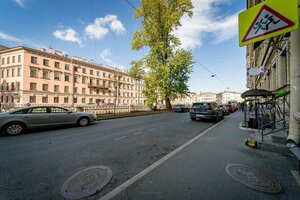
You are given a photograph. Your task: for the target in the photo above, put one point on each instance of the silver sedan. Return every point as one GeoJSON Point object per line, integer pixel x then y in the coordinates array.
{"type": "Point", "coordinates": [17, 121]}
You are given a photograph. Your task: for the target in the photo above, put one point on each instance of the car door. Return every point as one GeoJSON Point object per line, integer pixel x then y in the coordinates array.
{"type": "Point", "coordinates": [36, 116]}
{"type": "Point", "coordinates": [60, 115]}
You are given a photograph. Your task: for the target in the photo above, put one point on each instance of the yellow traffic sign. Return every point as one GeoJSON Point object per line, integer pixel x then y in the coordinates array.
{"type": "Point", "coordinates": [268, 19]}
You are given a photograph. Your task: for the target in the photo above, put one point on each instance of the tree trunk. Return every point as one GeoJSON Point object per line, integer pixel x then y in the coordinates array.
{"type": "Point", "coordinates": [168, 104]}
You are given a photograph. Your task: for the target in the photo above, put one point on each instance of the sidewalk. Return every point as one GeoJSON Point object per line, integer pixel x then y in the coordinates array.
{"type": "Point", "coordinates": [198, 171]}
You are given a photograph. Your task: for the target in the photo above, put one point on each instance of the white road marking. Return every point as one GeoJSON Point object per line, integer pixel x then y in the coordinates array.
{"type": "Point", "coordinates": [147, 170]}
{"type": "Point", "coordinates": [120, 138]}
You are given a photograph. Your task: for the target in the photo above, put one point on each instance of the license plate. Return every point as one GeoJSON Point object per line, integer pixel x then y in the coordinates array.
{"type": "Point", "coordinates": [199, 115]}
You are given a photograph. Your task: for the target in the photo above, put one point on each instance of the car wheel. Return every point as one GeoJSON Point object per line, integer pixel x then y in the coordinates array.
{"type": "Point", "coordinates": [14, 128]}
{"type": "Point", "coordinates": [193, 118]}
{"type": "Point", "coordinates": [83, 121]}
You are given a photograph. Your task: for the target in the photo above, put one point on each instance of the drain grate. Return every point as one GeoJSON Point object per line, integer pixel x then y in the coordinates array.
{"type": "Point", "coordinates": [86, 182]}
{"type": "Point", "coordinates": [253, 178]}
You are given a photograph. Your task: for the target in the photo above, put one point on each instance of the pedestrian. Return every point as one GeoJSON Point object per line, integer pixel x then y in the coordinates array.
{"type": "Point", "coordinates": [242, 106]}
{"type": "Point", "coordinates": [250, 106]}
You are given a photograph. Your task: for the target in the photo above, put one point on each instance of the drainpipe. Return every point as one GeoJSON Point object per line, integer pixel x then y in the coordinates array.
{"type": "Point", "coordinates": [294, 132]}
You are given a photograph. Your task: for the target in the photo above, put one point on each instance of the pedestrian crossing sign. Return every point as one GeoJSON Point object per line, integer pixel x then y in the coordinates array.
{"type": "Point", "coordinates": [268, 19]}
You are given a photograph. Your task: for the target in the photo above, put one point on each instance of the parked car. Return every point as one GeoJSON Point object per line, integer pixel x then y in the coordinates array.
{"type": "Point", "coordinates": [17, 121]}
{"type": "Point", "coordinates": [181, 108]}
{"type": "Point", "coordinates": [230, 108]}
{"type": "Point", "coordinates": [206, 110]}
{"type": "Point", "coordinates": [224, 109]}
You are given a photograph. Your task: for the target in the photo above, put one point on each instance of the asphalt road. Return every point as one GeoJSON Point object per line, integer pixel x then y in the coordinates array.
{"type": "Point", "coordinates": [35, 165]}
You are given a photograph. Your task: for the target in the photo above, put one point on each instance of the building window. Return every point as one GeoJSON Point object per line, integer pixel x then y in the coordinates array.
{"type": "Point", "coordinates": [2, 73]}
{"type": "Point", "coordinates": [91, 91]}
{"type": "Point", "coordinates": [32, 86]}
{"type": "Point", "coordinates": [76, 79]}
{"type": "Point", "coordinates": [46, 74]}
{"type": "Point", "coordinates": [45, 87]}
{"type": "Point", "coordinates": [66, 100]}
{"type": "Point", "coordinates": [45, 99]}
{"type": "Point", "coordinates": [56, 88]}
{"type": "Point", "coordinates": [12, 86]}
{"type": "Point", "coordinates": [83, 80]}
{"type": "Point", "coordinates": [83, 90]}
{"type": "Point", "coordinates": [75, 100]}
{"type": "Point", "coordinates": [98, 82]}
{"type": "Point", "coordinates": [56, 64]}
{"type": "Point", "coordinates": [75, 89]}
{"type": "Point", "coordinates": [75, 69]}
{"type": "Point", "coordinates": [66, 89]}
{"type": "Point", "coordinates": [91, 72]}
{"type": "Point", "coordinates": [83, 100]}
{"type": "Point", "coordinates": [56, 75]}
{"type": "Point", "coordinates": [91, 81]}
{"type": "Point", "coordinates": [32, 99]}
{"type": "Point", "coordinates": [91, 100]}
{"type": "Point", "coordinates": [84, 70]}
{"type": "Point", "coordinates": [67, 77]}
{"type": "Point", "coordinates": [56, 99]}
{"type": "Point", "coordinates": [12, 72]}
{"type": "Point", "coordinates": [98, 73]}
{"type": "Point", "coordinates": [8, 60]}
{"type": "Point", "coordinates": [67, 67]}
{"type": "Point", "coordinates": [18, 86]}
{"type": "Point", "coordinates": [3, 61]}
{"type": "Point", "coordinates": [46, 62]}
{"type": "Point", "coordinates": [33, 72]}
{"type": "Point", "coordinates": [7, 73]}
{"type": "Point", "coordinates": [104, 75]}
{"type": "Point", "coordinates": [19, 58]}
{"type": "Point", "coordinates": [13, 59]}
{"type": "Point", "coordinates": [19, 72]}
{"type": "Point", "coordinates": [33, 60]}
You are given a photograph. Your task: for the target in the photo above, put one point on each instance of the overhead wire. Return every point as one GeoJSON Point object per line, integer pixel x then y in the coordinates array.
{"type": "Point", "coordinates": [212, 74]}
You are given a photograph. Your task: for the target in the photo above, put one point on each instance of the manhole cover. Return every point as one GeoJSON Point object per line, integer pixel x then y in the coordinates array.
{"type": "Point", "coordinates": [86, 182]}
{"type": "Point", "coordinates": [253, 178]}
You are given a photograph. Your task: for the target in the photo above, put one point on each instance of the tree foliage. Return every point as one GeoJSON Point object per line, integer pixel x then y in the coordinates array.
{"type": "Point", "coordinates": [166, 68]}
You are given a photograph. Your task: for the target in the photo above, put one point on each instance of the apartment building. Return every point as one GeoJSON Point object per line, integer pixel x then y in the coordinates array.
{"type": "Point", "coordinates": [224, 97]}
{"type": "Point", "coordinates": [49, 77]}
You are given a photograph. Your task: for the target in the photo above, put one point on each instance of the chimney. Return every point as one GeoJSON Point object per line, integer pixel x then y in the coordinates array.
{"type": "Point", "coordinates": [57, 52]}
{"type": "Point", "coordinates": [42, 49]}
{"type": "Point", "coordinates": [50, 50]}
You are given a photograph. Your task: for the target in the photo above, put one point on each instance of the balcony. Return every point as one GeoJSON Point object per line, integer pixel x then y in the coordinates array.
{"type": "Point", "coordinates": [100, 87]}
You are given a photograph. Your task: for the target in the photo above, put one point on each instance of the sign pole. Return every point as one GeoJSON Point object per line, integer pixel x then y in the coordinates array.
{"type": "Point", "coordinates": [294, 131]}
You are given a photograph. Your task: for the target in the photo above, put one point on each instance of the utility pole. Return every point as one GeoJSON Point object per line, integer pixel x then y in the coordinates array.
{"type": "Point", "coordinates": [294, 132]}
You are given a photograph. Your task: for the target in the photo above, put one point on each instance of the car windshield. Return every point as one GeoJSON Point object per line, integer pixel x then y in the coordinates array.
{"type": "Point", "coordinates": [202, 106]}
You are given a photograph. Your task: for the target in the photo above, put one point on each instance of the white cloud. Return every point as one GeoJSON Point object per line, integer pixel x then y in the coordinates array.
{"type": "Point", "coordinates": [67, 34]}
{"type": "Point", "coordinates": [4, 36]}
{"type": "Point", "coordinates": [206, 21]}
{"type": "Point", "coordinates": [101, 26]}
{"type": "Point", "coordinates": [105, 54]}
{"type": "Point", "coordinates": [20, 3]}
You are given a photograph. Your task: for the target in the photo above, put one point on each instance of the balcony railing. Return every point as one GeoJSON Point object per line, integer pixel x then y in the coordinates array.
{"type": "Point", "coordinates": [101, 87]}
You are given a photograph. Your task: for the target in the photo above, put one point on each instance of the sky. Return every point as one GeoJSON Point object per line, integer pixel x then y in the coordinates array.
{"type": "Point", "coordinates": [102, 30]}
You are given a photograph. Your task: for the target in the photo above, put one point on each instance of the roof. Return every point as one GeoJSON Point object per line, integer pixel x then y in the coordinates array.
{"type": "Point", "coordinates": [256, 93]}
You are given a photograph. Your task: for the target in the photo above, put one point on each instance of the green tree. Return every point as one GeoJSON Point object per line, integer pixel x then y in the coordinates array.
{"type": "Point", "coordinates": [167, 67]}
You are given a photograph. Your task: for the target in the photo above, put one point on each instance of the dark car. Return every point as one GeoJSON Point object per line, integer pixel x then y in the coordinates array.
{"type": "Point", "coordinates": [17, 121]}
{"type": "Point", "coordinates": [206, 110]}
{"type": "Point", "coordinates": [181, 108]}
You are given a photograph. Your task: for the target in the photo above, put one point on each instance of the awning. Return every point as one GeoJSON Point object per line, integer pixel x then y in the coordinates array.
{"type": "Point", "coordinates": [256, 93]}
